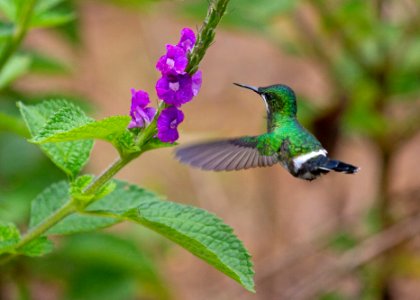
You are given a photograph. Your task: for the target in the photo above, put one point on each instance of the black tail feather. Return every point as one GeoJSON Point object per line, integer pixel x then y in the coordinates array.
{"type": "Point", "coordinates": [339, 166]}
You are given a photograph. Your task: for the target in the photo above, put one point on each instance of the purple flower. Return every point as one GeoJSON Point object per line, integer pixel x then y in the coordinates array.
{"type": "Point", "coordinates": [196, 82]}
{"type": "Point", "coordinates": [167, 124]}
{"type": "Point", "coordinates": [175, 60]}
{"type": "Point", "coordinates": [140, 114]}
{"type": "Point", "coordinates": [187, 40]}
{"type": "Point", "coordinates": [175, 89]}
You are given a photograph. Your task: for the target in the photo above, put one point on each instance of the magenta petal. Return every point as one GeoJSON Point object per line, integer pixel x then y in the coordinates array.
{"type": "Point", "coordinates": [139, 98]}
{"type": "Point", "coordinates": [196, 82]}
{"type": "Point", "coordinates": [150, 113]}
{"type": "Point", "coordinates": [175, 89]}
{"type": "Point", "coordinates": [163, 91]}
{"type": "Point", "coordinates": [140, 114]}
{"type": "Point", "coordinates": [167, 124]}
{"type": "Point", "coordinates": [175, 60]}
{"type": "Point", "coordinates": [187, 40]}
{"type": "Point", "coordinates": [132, 124]}
{"type": "Point", "coordinates": [168, 136]}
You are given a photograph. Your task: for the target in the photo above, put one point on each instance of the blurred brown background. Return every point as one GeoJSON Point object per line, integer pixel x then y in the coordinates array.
{"type": "Point", "coordinates": [283, 221]}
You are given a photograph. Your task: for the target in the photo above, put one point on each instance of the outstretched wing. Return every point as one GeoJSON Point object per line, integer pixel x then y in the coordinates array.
{"type": "Point", "coordinates": [226, 155]}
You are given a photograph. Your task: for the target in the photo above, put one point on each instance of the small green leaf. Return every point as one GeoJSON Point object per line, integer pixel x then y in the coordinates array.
{"type": "Point", "coordinates": [9, 236]}
{"type": "Point", "coordinates": [125, 142]}
{"type": "Point", "coordinates": [59, 115]}
{"type": "Point", "coordinates": [77, 187]}
{"type": "Point", "coordinates": [37, 247]}
{"type": "Point", "coordinates": [107, 189]}
{"type": "Point", "coordinates": [17, 66]}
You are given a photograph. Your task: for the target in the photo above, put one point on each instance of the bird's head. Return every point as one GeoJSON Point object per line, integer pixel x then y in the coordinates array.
{"type": "Point", "coordinates": [278, 98]}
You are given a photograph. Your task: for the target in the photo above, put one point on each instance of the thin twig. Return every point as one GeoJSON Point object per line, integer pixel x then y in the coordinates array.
{"type": "Point", "coordinates": [365, 252]}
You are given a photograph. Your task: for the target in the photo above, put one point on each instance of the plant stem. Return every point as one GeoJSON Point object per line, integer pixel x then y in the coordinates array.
{"type": "Point", "coordinates": [67, 209]}
{"type": "Point", "coordinates": [204, 39]}
{"type": "Point", "coordinates": [53, 219]}
{"type": "Point", "coordinates": [21, 29]}
{"type": "Point", "coordinates": [107, 174]}
{"type": "Point", "coordinates": [206, 34]}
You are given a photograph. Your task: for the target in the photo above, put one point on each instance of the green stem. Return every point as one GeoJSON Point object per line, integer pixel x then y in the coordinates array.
{"type": "Point", "coordinates": [12, 44]}
{"type": "Point", "coordinates": [107, 174]}
{"type": "Point", "coordinates": [206, 33]}
{"type": "Point", "coordinates": [53, 219]}
{"type": "Point", "coordinates": [204, 39]}
{"type": "Point", "coordinates": [67, 209]}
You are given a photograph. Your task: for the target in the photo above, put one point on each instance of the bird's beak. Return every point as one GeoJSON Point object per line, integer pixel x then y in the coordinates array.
{"type": "Point", "coordinates": [250, 87]}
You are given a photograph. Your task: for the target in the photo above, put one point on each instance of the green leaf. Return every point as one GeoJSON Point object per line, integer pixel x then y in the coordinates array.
{"type": "Point", "coordinates": [106, 129]}
{"type": "Point", "coordinates": [47, 65]}
{"type": "Point", "coordinates": [17, 66]}
{"type": "Point", "coordinates": [51, 199]}
{"type": "Point", "coordinates": [6, 30]}
{"type": "Point", "coordinates": [51, 19]}
{"type": "Point", "coordinates": [65, 119]}
{"type": "Point", "coordinates": [125, 142]}
{"type": "Point", "coordinates": [13, 124]}
{"type": "Point", "coordinates": [37, 247]}
{"type": "Point", "coordinates": [9, 236]}
{"type": "Point", "coordinates": [112, 129]}
{"type": "Point", "coordinates": [46, 15]}
{"type": "Point", "coordinates": [102, 262]}
{"type": "Point", "coordinates": [197, 230]}
{"type": "Point", "coordinates": [8, 8]}
{"type": "Point", "coordinates": [45, 5]}
{"type": "Point", "coordinates": [59, 115]}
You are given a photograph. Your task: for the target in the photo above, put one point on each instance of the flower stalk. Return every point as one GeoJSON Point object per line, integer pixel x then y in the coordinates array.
{"type": "Point", "coordinates": [206, 33]}
{"type": "Point", "coordinates": [205, 37]}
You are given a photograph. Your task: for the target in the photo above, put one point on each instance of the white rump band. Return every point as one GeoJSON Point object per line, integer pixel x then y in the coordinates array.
{"type": "Point", "coordinates": [301, 159]}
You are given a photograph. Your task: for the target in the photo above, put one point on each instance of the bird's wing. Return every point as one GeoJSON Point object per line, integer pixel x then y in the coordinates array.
{"type": "Point", "coordinates": [228, 155]}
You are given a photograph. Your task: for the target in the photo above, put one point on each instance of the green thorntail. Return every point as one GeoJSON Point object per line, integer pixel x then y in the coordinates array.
{"type": "Point", "coordinates": [286, 142]}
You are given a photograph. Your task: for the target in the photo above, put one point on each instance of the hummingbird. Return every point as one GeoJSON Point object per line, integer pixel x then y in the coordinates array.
{"type": "Point", "coordinates": [286, 142]}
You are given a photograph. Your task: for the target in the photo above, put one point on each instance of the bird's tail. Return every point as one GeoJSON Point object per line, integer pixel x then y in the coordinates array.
{"type": "Point", "coordinates": [338, 166]}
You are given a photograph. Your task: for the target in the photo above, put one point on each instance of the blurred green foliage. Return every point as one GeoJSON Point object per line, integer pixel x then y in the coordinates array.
{"type": "Point", "coordinates": [103, 266]}
{"type": "Point", "coordinates": [369, 52]}
{"type": "Point", "coordinates": [123, 271]}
